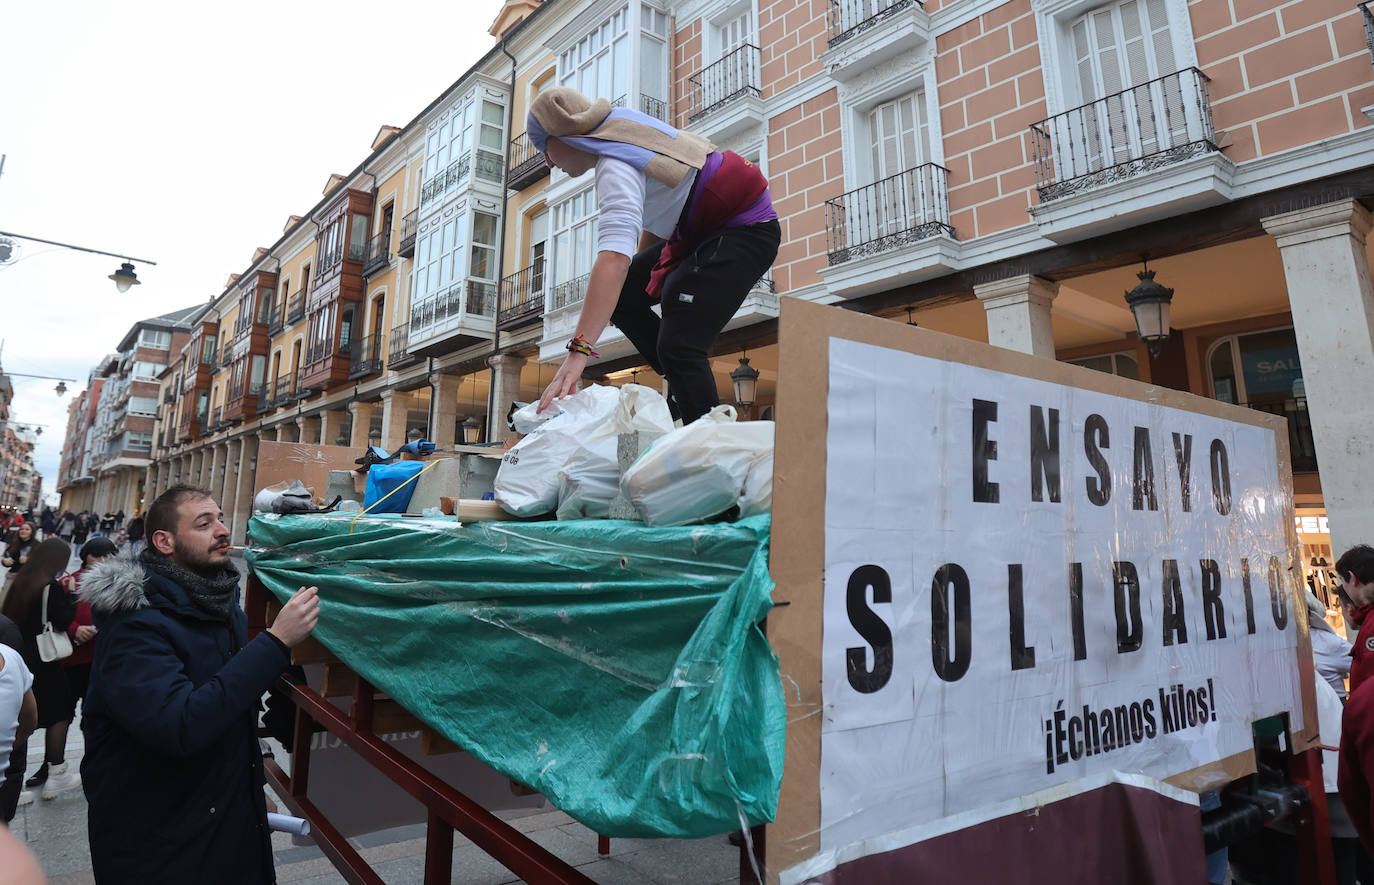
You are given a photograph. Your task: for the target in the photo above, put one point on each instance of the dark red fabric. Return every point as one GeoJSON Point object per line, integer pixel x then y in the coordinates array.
{"type": "Point", "coordinates": [85, 652]}
{"type": "Point", "coordinates": [1362, 650]}
{"type": "Point", "coordinates": [1355, 778]}
{"type": "Point", "coordinates": [734, 187]}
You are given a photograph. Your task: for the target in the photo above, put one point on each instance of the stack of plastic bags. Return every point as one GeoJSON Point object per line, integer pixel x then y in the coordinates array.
{"type": "Point", "coordinates": [567, 463]}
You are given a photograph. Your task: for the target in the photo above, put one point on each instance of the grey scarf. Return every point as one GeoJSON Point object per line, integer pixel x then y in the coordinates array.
{"type": "Point", "coordinates": [213, 594]}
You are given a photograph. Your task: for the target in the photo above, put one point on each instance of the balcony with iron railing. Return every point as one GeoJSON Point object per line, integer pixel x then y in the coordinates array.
{"type": "Point", "coordinates": [847, 19]}
{"type": "Point", "coordinates": [410, 225]}
{"type": "Point", "coordinates": [282, 390]}
{"type": "Point", "coordinates": [217, 420]}
{"type": "Point", "coordinates": [276, 319]}
{"type": "Point", "coordinates": [262, 397]}
{"type": "Point", "coordinates": [888, 214]}
{"type": "Point", "coordinates": [455, 317]}
{"type": "Point", "coordinates": [654, 107]}
{"type": "Point", "coordinates": [1368, 28]}
{"type": "Point", "coordinates": [1301, 445]}
{"type": "Point", "coordinates": [378, 253]}
{"type": "Point", "coordinates": [522, 297]}
{"type": "Point", "coordinates": [1123, 136]}
{"type": "Point", "coordinates": [398, 354]}
{"type": "Point", "coordinates": [735, 78]}
{"type": "Point", "coordinates": [295, 308]}
{"type": "Point", "coordinates": [299, 390]}
{"type": "Point", "coordinates": [526, 163]}
{"type": "Point", "coordinates": [365, 356]}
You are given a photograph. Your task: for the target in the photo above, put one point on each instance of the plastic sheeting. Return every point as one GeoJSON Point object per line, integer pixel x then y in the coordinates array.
{"type": "Point", "coordinates": [617, 669]}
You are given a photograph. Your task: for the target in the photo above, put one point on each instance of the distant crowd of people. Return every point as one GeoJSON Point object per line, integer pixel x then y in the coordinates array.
{"type": "Point", "coordinates": [40, 595]}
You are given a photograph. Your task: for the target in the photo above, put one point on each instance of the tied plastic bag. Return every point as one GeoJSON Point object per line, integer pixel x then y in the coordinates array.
{"type": "Point", "coordinates": [698, 471]}
{"type": "Point", "coordinates": [591, 476]}
{"type": "Point", "coordinates": [527, 480]}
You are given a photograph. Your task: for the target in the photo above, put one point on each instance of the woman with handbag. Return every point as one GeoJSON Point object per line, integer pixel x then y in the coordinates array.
{"type": "Point", "coordinates": [81, 631]}
{"type": "Point", "coordinates": [43, 611]}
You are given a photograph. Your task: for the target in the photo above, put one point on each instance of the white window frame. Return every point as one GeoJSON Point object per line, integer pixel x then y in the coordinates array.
{"type": "Point", "coordinates": [858, 100]}
{"type": "Point", "coordinates": [1053, 21]}
{"type": "Point", "coordinates": [155, 339]}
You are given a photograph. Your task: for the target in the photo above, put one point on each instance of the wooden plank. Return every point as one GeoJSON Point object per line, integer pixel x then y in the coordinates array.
{"type": "Point", "coordinates": [312, 651]}
{"type": "Point", "coordinates": [435, 744]}
{"type": "Point", "coordinates": [389, 717]}
{"type": "Point", "coordinates": [339, 680]}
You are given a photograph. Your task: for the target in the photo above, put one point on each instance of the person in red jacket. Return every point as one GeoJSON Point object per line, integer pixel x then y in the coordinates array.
{"type": "Point", "coordinates": [1356, 779]}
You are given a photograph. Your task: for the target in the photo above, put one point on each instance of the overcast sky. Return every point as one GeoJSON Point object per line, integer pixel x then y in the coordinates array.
{"type": "Point", "coordinates": [185, 134]}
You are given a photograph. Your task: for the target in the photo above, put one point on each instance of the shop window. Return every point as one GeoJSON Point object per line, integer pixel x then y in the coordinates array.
{"type": "Point", "coordinates": [1123, 365]}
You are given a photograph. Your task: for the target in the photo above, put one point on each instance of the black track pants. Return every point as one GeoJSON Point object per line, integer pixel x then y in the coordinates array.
{"type": "Point", "coordinates": [699, 297]}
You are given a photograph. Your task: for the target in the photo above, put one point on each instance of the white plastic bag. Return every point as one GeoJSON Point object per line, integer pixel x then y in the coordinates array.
{"type": "Point", "coordinates": [527, 480]}
{"type": "Point", "coordinates": [591, 477]}
{"type": "Point", "coordinates": [698, 471]}
{"type": "Point", "coordinates": [757, 496]}
{"type": "Point", "coordinates": [528, 418]}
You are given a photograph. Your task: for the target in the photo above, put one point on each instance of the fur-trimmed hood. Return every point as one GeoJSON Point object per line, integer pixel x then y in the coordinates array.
{"type": "Point", "coordinates": [115, 585]}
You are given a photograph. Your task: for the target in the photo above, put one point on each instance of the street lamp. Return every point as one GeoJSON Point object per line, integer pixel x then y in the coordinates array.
{"type": "Point", "coordinates": [123, 278]}
{"type": "Point", "coordinates": [61, 387]}
{"type": "Point", "coordinates": [746, 379]}
{"type": "Point", "coordinates": [1149, 303]}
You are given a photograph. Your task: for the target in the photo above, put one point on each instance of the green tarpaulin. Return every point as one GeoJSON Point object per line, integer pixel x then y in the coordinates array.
{"type": "Point", "coordinates": [617, 669]}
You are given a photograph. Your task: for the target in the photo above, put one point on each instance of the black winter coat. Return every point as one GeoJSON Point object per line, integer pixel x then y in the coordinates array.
{"type": "Point", "coordinates": [172, 770]}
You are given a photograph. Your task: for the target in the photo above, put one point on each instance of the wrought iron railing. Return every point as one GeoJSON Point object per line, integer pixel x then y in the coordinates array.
{"type": "Point", "coordinates": [1368, 28]}
{"type": "Point", "coordinates": [654, 107]}
{"type": "Point", "coordinates": [295, 308]}
{"type": "Point", "coordinates": [569, 292]}
{"type": "Point", "coordinates": [888, 214]}
{"type": "Point", "coordinates": [410, 224]}
{"type": "Point", "coordinates": [276, 320]}
{"type": "Point", "coordinates": [259, 391]}
{"type": "Point", "coordinates": [1139, 129]}
{"type": "Point", "coordinates": [1301, 445]}
{"type": "Point", "coordinates": [365, 355]}
{"type": "Point", "coordinates": [522, 294]}
{"type": "Point", "coordinates": [218, 420]}
{"type": "Point", "coordinates": [850, 18]}
{"type": "Point", "coordinates": [735, 76]}
{"type": "Point", "coordinates": [281, 390]}
{"type": "Point", "coordinates": [378, 253]}
{"type": "Point", "coordinates": [398, 353]}
{"type": "Point", "coordinates": [526, 162]}
{"type": "Point", "coordinates": [439, 183]}
{"type": "Point", "coordinates": [300, 391]}
{"type": "Point", "coordinates": [169, 395]}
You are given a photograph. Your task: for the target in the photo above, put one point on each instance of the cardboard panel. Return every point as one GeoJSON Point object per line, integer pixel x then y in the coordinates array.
{"type": "Point", "coordinates": [807, 333]}
{"type": "Point", "coordinates": [310, 463]}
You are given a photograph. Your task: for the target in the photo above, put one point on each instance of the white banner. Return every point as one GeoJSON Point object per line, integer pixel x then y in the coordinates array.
{"type": "Point", "coordinates": [1027, 584]}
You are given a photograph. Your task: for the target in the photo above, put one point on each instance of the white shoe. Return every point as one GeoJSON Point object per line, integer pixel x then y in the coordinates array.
{"type": "Point", "coordinates": [26, 797]}
{"type": "Point", "coordinates": [60, 780]}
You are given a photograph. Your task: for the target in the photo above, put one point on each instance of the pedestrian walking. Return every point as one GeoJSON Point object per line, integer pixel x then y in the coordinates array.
{"type": "Point", "coordinates": [171, 713]}
{"type": "Point", "coordinates": [119, 518]}
{"type": "Point", "coordinates": [82, 632]}
{"type": "Point", "coordinates": [81, 529]}
{"type": "Point", "coordinates": [66, 525]}
{"type": "Point", "coordinates": [35, 600]}
{"type": "Point", "coordinates": [681, 226]}
{"type": "Point", "coordinates": [17, 551]}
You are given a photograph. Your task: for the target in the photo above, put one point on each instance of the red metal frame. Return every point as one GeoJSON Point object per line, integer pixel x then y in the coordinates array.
{"type": "Point", "coordinates": [448, 809]}
{"type": "Point", "coordinates": [1316, 863]}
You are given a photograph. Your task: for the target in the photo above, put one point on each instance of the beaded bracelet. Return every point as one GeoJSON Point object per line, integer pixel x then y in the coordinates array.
{"type": "Point", "coordinates": [581, 345]}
